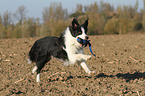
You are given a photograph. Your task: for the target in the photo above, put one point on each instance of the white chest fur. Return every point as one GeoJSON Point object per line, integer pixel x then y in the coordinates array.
{"type": "Point", "coordinates": [72, 47]}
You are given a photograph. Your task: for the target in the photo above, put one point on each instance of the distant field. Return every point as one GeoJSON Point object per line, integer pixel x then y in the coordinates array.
{"type": "Point", "coordinates": [119, 66]}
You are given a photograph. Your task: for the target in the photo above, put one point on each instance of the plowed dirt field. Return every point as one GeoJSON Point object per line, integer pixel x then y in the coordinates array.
{"type": "Point", "coordinates": [119, 66]}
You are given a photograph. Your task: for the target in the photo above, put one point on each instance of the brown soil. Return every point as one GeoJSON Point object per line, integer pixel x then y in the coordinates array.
{"type": "Point", "coordinates": [119, 66]}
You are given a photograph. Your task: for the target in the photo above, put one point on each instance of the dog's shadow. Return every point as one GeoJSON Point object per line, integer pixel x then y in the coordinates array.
{"type": "Point", "coordinates": [126, 76]}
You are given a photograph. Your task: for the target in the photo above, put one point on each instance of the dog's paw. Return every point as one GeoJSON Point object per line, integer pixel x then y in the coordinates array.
{"type": "Point", "coordinates": [92, 73]}
{"type": "Point", "coordinates": [86, 57]}
{"type": "Point", "coordinates": [89, 56]}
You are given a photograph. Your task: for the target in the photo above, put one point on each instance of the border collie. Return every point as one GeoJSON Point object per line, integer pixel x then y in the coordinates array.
{"type": "Point", "coordinates": [66, 48]}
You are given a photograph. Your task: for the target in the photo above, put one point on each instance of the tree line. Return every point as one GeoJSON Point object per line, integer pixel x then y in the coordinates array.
{"type": "Point", "coordinates": [103, 19]}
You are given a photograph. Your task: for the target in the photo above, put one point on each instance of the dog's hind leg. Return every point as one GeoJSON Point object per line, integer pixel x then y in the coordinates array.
{"type": "Point", "coordinates": [39, 67]}
{"type": "Point", "coordinates": [40, 64]}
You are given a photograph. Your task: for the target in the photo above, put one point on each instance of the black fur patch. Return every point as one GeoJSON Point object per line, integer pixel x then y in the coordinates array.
{"type": "Point", "coordinates": [76, 28]}
{"type": "Point", "coordinates": [48, 46]}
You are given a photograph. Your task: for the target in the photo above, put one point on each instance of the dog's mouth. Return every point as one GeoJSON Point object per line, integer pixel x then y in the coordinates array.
{"type": "Point", "coordinates": [82, 42]}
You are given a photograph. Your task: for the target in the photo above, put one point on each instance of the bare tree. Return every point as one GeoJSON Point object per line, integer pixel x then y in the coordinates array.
{"type": "Point", "coordinates": [6, 18]}
{"type": "Point", "coordinates": [20, 14]}
{"type": "Point", "coordinates": [79, 8]}
{"type": "Point", "coordinates": [54, 12]}
{"type": "Point", "coordinates": [1, 19]}
{"type": "Point", "coordinates": [144, 4]}
{"type": "Point", "coordinates": [93, 8]}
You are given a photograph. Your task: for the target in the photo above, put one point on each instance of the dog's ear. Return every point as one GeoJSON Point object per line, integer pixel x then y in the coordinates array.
{"type": "Point", "coordinates": [85, 25]}
{"type": "Point", "coordinates": [75, 23]}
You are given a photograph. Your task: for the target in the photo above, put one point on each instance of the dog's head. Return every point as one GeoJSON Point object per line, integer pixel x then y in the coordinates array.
{"type": "Point", "coordinates": [79, 31]}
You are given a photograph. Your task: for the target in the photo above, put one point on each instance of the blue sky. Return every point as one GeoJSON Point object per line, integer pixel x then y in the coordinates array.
{"type": "Point", "coordinates": [35, 7]}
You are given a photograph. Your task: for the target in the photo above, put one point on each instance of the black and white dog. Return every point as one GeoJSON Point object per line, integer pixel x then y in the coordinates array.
{"type": "Point", "coordinates": [66, 48]}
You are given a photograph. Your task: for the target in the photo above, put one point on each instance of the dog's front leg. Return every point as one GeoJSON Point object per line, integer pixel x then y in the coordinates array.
{"type": "Point", "coordinates": [85, 67]}
{"type": "Point", "coordinates": [82, 57]}
{"type": "Point", "coordinates": [78, 57]}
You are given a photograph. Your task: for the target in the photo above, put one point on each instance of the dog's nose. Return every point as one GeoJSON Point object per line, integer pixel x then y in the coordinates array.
{"type": "Point", "coordinates": [86, 37]}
